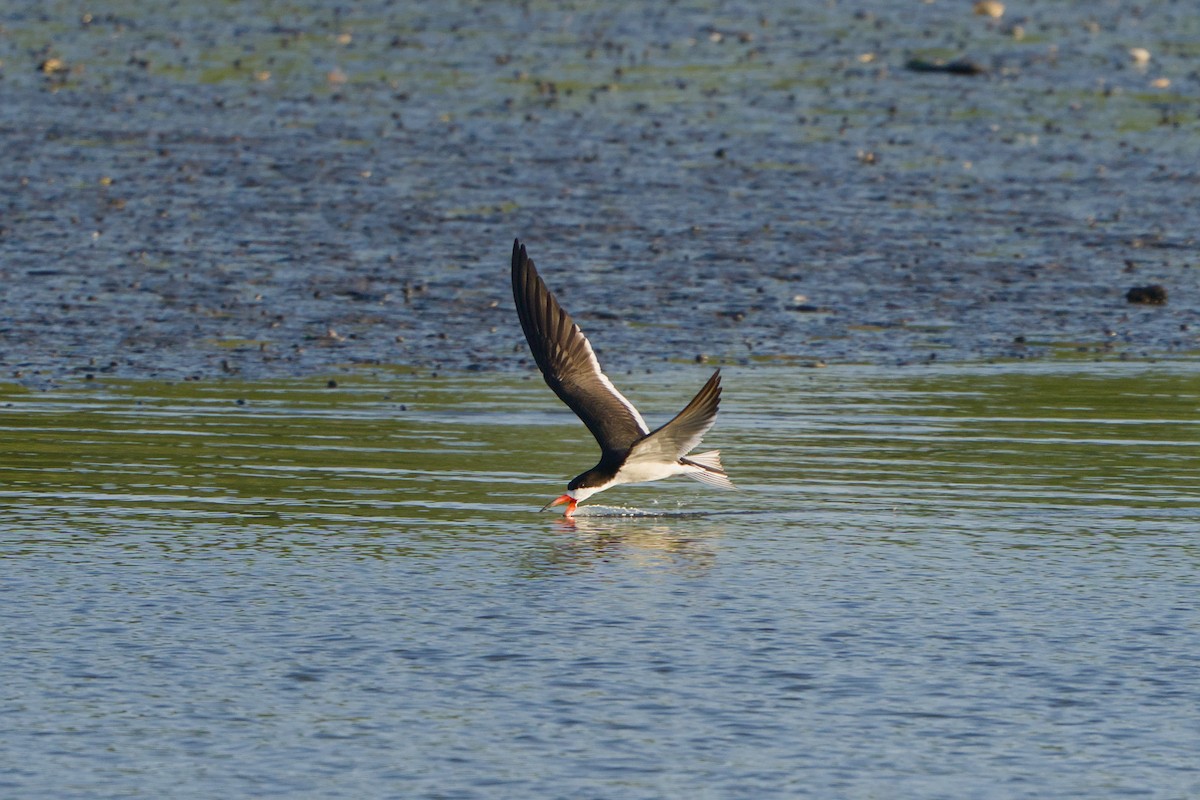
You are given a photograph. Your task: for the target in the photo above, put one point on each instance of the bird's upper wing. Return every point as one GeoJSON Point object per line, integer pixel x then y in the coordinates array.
{"type": "Point", "coordinates": [683, 433]}
{"type": "Point", "coordinates": [568, 363]}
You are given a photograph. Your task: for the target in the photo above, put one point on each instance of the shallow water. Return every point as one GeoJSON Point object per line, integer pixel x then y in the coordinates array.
{"type": "Point", "coordinates": [938, 582]}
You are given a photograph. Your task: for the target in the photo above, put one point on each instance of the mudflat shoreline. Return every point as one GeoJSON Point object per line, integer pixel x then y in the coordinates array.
{"type": "Point", "coordinates": [192, 194]}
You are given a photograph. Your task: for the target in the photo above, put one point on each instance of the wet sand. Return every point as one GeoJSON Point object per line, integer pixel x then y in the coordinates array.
{"type": "Point", "coordinates": [194, 192]}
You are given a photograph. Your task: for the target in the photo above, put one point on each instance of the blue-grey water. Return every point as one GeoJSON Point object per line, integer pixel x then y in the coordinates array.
{"type": "Point", "coordinates": [955, 582]}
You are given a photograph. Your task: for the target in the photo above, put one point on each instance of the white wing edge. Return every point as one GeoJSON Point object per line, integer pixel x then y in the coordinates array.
{"type": "Point", "coordinates": [609, 384]}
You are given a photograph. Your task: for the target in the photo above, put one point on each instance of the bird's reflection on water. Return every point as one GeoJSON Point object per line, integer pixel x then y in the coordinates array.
{"type": "Point", "coordinates": [646, 539]}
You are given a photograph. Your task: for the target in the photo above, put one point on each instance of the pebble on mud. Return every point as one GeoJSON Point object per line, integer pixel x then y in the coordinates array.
{"type": "Point", "coordinates": [990, 8]}
{"type": "Point", "coordinates": [1154, 294]}
{"type": "Point", "coordinates": [53, 66]}
{"type": "Point", "coordinates": [1139, 55]}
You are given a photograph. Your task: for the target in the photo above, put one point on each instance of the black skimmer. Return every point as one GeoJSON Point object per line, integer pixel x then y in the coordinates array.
{"type": "Point", "coordinates": [629, 451]}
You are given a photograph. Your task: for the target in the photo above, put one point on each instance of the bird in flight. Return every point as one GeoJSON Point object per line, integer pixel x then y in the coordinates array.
{"type": "Point", "coordinates": [629, 451]}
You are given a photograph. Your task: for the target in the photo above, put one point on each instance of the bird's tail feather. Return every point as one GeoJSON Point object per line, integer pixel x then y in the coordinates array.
{"type": "Point", "coordinates": [708, 469]}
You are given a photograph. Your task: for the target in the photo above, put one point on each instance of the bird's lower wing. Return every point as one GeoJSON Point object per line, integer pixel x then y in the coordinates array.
{"type": "Point", "coordinates": [682, 434]}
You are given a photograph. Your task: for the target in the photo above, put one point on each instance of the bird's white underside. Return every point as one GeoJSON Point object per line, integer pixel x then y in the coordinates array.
{"type": "Point", "coordinates": [633, 473]}
{"type": "Point", "coordinates": [645, 471]}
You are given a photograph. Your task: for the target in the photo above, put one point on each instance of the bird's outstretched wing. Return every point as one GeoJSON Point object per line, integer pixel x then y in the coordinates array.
{"type": "Point", "coordinates": [568, 363]}
{"type": "Point", "coordinates": [683, 433]}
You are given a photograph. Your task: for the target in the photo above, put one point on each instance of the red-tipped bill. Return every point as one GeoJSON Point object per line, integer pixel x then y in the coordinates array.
{"type": "Point", "coordinates": [566, 498]}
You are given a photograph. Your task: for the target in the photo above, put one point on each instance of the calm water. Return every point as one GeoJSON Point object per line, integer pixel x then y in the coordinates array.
{"type": "Point", "coordinates": [940, 583]}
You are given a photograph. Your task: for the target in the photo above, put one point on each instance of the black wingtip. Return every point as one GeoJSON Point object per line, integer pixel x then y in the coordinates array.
{"type": "Point", "coordinates": [519, 257]}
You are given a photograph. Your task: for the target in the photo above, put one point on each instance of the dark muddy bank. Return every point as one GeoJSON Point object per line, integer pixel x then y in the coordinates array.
{"type": "Point", "coordinates": [212, 189]}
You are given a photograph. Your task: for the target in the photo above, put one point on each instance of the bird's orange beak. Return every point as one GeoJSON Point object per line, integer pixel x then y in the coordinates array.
{"type": "Point", "coordinates": [565, 498]}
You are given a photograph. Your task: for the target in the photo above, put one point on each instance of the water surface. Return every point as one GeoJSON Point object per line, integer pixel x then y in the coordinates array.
{"type": "Point", "coordinates": [938, 582]}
